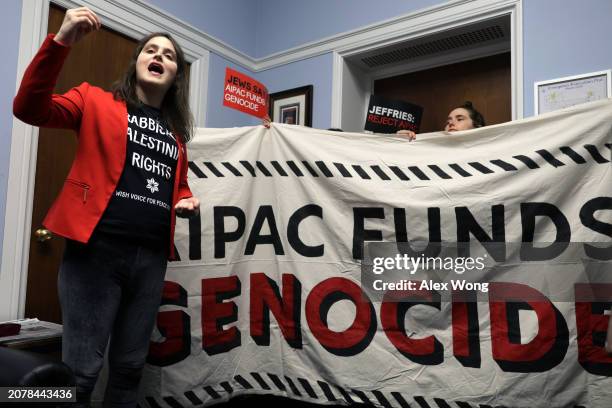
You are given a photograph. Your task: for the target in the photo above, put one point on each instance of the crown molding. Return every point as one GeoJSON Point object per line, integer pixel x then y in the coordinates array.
{"type": "Point", "coordinates": [415, 24]}
{"type": "Point", "coordinates": [137, 18]}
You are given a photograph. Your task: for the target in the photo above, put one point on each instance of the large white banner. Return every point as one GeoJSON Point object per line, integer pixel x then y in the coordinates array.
{"type": "Point", "coordinates": [269, 296]}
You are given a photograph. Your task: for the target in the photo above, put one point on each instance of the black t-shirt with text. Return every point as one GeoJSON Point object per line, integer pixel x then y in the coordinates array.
{"type": "Point", "coordinates": [140, 206]}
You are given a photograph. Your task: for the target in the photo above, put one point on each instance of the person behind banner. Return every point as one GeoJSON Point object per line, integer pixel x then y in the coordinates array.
{"type": "Point", "coordinates": [463, 117]}
{"type": "Point", "coordinates": [118, 204]}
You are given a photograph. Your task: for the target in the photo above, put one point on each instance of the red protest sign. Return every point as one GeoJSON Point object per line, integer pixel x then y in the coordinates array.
{"type": "Point", "coordinates": [245, 94]}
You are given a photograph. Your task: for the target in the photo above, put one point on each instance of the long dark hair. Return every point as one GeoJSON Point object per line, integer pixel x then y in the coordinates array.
{"type": "Point", "coordinates": [175, 106]}
{"type": "Point", "coordinates": [477, 118]}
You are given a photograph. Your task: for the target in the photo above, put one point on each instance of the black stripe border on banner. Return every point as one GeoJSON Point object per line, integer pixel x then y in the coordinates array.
{"type": "Point", "coordinates": [555, 158]}
{"type": "Point", "coordinates": [316, 389]}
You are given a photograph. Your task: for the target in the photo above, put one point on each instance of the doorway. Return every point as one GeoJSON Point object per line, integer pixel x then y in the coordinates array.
{"type": "Point", "coordinates": [483, 81]}
{"type": "Point", "coordinates": [437, 63]}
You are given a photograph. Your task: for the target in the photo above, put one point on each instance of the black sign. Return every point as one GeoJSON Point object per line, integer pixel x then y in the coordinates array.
{"type": "Point", "coordinates": [389, 116]}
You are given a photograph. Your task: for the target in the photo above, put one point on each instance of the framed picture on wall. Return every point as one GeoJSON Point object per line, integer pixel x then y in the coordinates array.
{"type": "Point", "coordinates": [569, 91]}
{"type": "Point", "coordinates": [293, 106]}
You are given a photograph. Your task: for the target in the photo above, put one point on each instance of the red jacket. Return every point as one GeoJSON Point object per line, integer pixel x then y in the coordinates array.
{"type": "Point", "coordinates": [101, 125]}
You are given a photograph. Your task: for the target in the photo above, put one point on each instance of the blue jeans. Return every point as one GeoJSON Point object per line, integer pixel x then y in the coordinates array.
{"type": "Point", "coordinates": [109, 288]}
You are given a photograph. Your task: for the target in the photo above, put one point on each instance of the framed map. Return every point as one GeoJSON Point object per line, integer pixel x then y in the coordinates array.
{"type": "Point", "coordinates": [564, 92]}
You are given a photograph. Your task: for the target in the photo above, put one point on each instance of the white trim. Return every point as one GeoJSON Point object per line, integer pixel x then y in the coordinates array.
{"type": "Point", "coordinates": [416, 24]}
{"type": "Point", "coordinates": [198, 89]}
{"type": "Point", "coordinates": [136, 17]}
{"type": "Point", "coordinates": [22, 168]}
{"type": "Point", "coordinates": [133, 18]}
{"type": "Point", "coordinates": [536, 85]}
{"type": "Point", "coordinates": [516, 59]}
{"type": "Point", "coordinates": [336, 99]}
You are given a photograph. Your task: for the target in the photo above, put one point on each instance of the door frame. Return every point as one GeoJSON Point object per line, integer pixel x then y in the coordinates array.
{"type": "Point", "coordinates": [351, 87]}
{"type": "Point", "coordinates": [129, 17]}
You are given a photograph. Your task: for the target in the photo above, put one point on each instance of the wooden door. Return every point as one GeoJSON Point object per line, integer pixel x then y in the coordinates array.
{"type": "Point", "coordinates": [100, 59]}
{"type": "Point", "coordinates": [484, 81]}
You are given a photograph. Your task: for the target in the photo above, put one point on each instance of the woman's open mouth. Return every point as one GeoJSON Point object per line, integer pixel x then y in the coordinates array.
{"type": "Point", "coordinates": [156, 68]}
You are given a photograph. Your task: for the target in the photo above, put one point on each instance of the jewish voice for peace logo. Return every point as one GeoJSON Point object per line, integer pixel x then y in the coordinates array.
{"type": "Point", "coordinates": [152, 185]}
